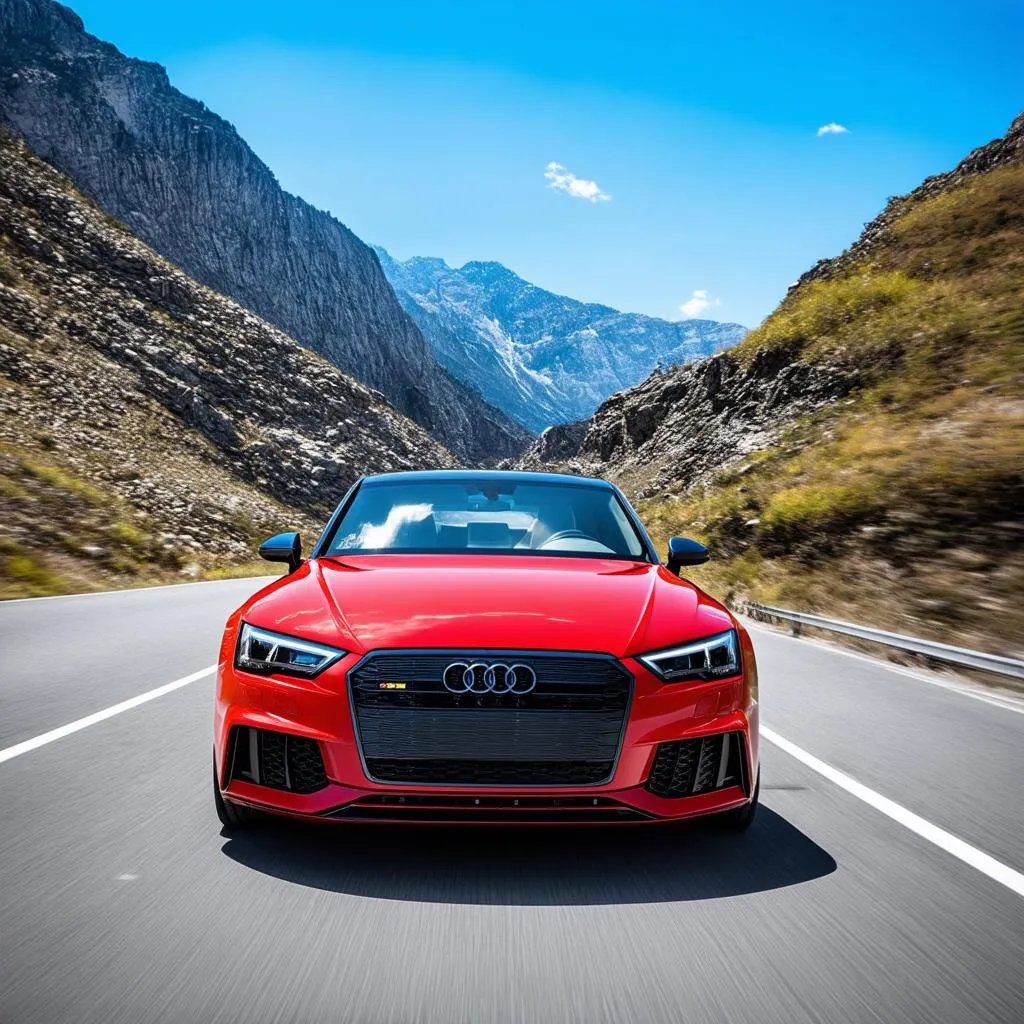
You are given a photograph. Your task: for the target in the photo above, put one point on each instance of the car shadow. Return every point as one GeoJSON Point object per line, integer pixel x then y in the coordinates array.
{"type": "Point", "coordinates": [536, 866]}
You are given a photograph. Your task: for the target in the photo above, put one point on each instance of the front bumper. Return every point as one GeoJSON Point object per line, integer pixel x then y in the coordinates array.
{"type": "Point", "coordinates": [320, 710]}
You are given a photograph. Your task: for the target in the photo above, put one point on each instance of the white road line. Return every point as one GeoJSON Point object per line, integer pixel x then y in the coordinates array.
{"type": "Point", "coordinates": [971, 855]}
{"type": "Point", "coordinates": [1000, 699]}
{"type": "Point", "coordinates": [135, 590]}
{"type": "Point", "coordinates": [83, 723]}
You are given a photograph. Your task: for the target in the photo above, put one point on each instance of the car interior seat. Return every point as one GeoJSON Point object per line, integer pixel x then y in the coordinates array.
{"type": "Point", "coordinates": [550, 520]}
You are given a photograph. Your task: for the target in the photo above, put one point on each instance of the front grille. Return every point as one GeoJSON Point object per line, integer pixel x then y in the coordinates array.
{"type": "Point", "coordinates": [565, 732]}
{"type": "Point", "coordinates": [276, 759]}
{"type": "Point", "coordinates": [553, 810]}
{"type": "Point", "coordinates": [691, 767]}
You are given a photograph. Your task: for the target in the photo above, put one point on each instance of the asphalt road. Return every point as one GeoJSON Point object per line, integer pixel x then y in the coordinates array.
{"type": "Point", "coordinates": [121, 901]}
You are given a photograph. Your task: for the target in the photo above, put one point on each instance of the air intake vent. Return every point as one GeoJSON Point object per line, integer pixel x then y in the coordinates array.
{"type": "Point", "coordinates": [691, 767]}
{"type": "Point", "coordinates": [489, 773]}
{"type": "Point", "coordinates": [278, 760]}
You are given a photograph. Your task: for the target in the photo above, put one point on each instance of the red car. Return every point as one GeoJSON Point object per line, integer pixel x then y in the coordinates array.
{"type": "Point", "coordinates": [467, 646]}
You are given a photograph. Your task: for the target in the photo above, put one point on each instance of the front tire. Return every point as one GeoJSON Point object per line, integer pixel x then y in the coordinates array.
{"type": "Point", "coordinates": [234, 817]}
{"type": "Point", "coordinates": [739, 819]}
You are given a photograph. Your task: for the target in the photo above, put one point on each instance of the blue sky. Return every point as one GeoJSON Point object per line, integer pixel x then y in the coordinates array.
{"type": "Point", "coordinates": [430, 128]}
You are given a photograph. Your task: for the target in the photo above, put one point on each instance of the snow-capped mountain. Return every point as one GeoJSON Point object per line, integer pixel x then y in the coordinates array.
{"type": "Point", "coordinates": [541, 358]}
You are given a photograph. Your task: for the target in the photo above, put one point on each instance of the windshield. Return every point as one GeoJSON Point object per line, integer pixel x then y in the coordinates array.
{"type": "Point", "coordinates": [487, 516]}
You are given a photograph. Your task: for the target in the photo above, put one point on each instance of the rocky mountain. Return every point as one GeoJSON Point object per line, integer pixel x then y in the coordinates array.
{"type": "Point", "coordinates": [541, 357]}
{"type": "Point", "coordinates": [861, 452]}
{"type": "Point", "coordinates": [187, 184]}
{"type": "Point", "coordinates": [149, 426]}
{"type": "Point", "coordinates": [680, 426]}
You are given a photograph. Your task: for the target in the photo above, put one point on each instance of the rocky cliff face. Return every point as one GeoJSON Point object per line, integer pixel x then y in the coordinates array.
{"type": "Point", "coordinates": [187, 184]}
{"type": "Point", "coordinates": [147, 423]}
{"type": "Point", "coordinates": [679, 426]}
{"type": "Point", "coordinates": [541, 357]}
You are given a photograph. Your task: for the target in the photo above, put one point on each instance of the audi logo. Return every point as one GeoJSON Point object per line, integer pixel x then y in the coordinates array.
{"type": "Point", "coordinates": [488, 677]}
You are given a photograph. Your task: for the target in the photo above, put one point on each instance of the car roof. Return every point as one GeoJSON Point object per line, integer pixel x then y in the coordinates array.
{"type": "Point", "coordinates": [497, 475]}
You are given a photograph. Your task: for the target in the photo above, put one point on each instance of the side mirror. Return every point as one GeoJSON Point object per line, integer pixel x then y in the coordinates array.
{"type": "Point", "coordinates": [285, 547]}
{"type": "Point", "coordinates": [683, 551]}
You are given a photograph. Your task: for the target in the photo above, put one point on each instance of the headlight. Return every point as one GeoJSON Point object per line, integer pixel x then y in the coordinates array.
{"type": "Point", "coordinates": [264, 652]}
{"type": "Point", "coordinates": [715, 657]}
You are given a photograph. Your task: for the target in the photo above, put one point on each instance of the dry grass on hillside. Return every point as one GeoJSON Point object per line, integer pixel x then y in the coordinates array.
{"type": "Point", "coordinates": [65, 533]}
{"type": "Point", "coordinates": [902, 505]}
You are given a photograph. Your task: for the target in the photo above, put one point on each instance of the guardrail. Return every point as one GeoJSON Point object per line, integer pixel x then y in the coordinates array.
{"type": "Point", "coordinates": [929, 648]}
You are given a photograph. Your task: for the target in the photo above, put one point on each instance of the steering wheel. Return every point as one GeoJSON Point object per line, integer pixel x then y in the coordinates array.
{"type": "Point", "coordinates": [565, 535]}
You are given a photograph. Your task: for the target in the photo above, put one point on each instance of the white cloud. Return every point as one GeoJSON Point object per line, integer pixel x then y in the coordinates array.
{"type": "Point", "coordinates": [833, 129]}
{"type": "Point", "coordinates": [562, 180]}
{"type": "Point", "coordinates": [698, 303]}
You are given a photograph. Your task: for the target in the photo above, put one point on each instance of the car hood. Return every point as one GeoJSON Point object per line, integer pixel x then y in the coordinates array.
{"type": "Point", "coordinates": [525, 602]}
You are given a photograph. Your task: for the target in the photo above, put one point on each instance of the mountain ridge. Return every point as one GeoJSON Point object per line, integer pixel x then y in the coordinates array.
{"type": "Point", "coordinates": [542, 357]}
{"type": "Point", "coordinates": [185, 182]}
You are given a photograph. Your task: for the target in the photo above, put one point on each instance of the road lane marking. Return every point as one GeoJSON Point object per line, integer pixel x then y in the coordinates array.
{"type": "Point", "coordinates": [939, 837]}
{"type": "Point", "coordinates": [99, 716]}
{"type": "Point", "coordinates": [134, 590]}
{"type": "Point", "coordinates": [1006, 701]}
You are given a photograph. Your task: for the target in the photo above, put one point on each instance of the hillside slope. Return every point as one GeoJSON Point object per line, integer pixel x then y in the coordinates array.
{"type": "Point", "coordinates": [187, 184]}
{"type": "Point", "coordinates": [541, 357]}
{"type": "Point", "coordinates": [149, 426]}
{"type": "Point", "coordinates": [861, 453]}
